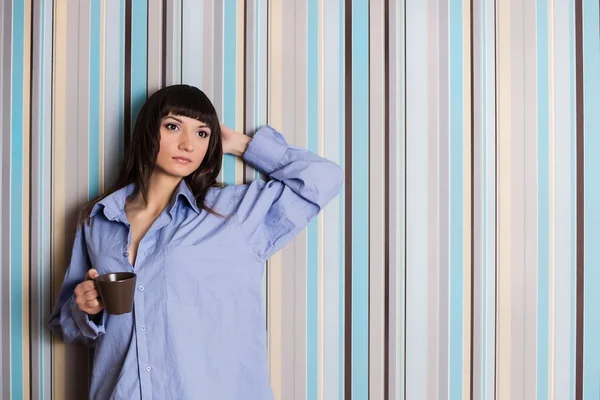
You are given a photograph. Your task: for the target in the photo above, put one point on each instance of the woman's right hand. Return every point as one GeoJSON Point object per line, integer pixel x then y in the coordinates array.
{"type": "Point", "coordinates": [86, 295]}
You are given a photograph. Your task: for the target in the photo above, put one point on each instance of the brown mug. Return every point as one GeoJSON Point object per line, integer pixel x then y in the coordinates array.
{"type": "Point", "coordinates": [116, 291]}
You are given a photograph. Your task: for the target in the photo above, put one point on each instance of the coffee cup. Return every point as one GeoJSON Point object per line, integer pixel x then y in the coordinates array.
{"type": "Point", "coordinates": [116, 291]}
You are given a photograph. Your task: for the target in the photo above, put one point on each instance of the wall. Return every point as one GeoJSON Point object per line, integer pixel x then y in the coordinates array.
{"type": "Point", "coordinates": [461, 261]}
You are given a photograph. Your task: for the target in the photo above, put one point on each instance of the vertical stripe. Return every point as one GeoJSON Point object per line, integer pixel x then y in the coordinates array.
{"type": "Point", "coordinates": [504, 204]}
{"type": "Point", "coordinates": [331, 41]}
{"type": "Point", "coordinates": [348, 204]}
{"type": "Point", "coordinates": [580, 199]}
{"type": "Point", "coordinates": [477, 105]}
{"type": "Point", "coordinates": [17, 132]}
{"type": "Point", "coordinates": [387, 195]}
{"type": "Point", "coordinates": [543, 198]}
{"type": "Point", "coordinates": [431, 177]}
{"type": "Point", "coordinates": [376, 213]}
{"type": "Point", "coordinates": [139, 56]}
{"type": "Point", "coordinates": [417, 216]}
{"type": "Point", "coordinates": [312, 233]}
{"type": "Point", "coordinates": [360, 198]}
{"type": "Point", "coordinates": [94, 147]}
{"type": "Point", "coordinates": [156, 46]}
{"type": "Point", "coordinates": [192, 52]}
{"type": "Point", "coordinates": [591, 157]}
{"type": "Point", "coordinates": [532, 189]}
{"type": "Point", "coordinates": [58, 184]}
{"type": "Point", "coordinates": [5, 113]}
{"type": "Point", "coordinates": [456, 199]}
{"type": "Point", "coordinates": [114, 92]}
{"type": "Point", "coordinates": [444, 210]}
{"type": "Point", "coordinates": [343, 101]}
{"type": "Point", "coordinates": [274, 268]}
{"type": "Point", "coordinates": [489, 201]}
{"type": "Point", "coordinates": [320, 250]}
{"type": "Point", "coordinates": [563, 210]}
{"type": "Point", "coordinates": [229, 80]}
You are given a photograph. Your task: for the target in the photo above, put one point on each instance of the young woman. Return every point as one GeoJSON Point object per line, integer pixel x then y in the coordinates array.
{"type": "Point", "coordinates": [197, 329]}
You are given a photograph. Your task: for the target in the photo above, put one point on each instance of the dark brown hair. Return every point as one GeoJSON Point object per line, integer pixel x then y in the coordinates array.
{"type": "Point", "coordinates": [140, 159]}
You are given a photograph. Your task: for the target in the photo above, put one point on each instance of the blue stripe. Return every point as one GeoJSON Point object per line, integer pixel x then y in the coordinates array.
{"type": "Point", "coordinates": [543, 215]}
{"type": "Point", "coordinates": [342, 197]}
{"type": "Point", "coordinates": [591, 104]}
{"type": "Point", "coordinates": [94, 102]}
{"type": "Point", "coordinates": [121, 80]}
{"type": "Point", "coordinates": [229, 80]}
{"type": "Point", "coordinates": [312, 257]}
{"type": "Point", "coordinates": [16, 205]}
{"type": "Point", "coordinates": [139, 56]}
{"type": "Point", "coordinates": [573, 203]}
{"type": "Point", "coordinates": [456, 199]}
{"type": "Point", "coordinates": [360, 199]}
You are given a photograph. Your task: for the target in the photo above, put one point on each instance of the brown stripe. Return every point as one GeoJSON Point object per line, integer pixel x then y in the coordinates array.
{"type": "Point", "coordinates": [386, 121]}
{"type": "Point", "coordinates": [163, 82]}
{"type": "Point", "coordinates": [127, 111]}
{"type": "Point", "coordinates": [386, 128]}
{"type": "Point", "coordinates": [33, 325]}
{"type": "Point", "coordinates": [348, 203]}
{"type": "Point", "coordinates": [580, 201]}
{"type": "Point", "coordinates": [472, 198]}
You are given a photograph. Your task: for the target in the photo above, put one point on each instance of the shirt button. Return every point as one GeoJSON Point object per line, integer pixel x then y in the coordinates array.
{"type": "Point", "coordinates": [148, 368]}
{"type": "Point", "coordinates": [126, 254]}
{"type": "Point", "coordinates": [141, 288]}
{"type": "Point", "coordinates": [144, 328]}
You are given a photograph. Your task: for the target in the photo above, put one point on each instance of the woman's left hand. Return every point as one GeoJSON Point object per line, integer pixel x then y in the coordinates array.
{"type": "Point", "coordinates": [233, 142]}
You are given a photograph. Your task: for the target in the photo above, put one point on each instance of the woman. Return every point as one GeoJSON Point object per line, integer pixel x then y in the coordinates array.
{"type": "Point", "coordinates": [197, 329]}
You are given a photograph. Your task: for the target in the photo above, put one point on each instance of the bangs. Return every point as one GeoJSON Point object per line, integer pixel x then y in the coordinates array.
{"type": "Point", "coordinates": [188, 101]}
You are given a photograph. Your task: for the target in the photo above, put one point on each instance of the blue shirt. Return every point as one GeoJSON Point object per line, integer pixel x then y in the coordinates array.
{"type": "Point", "coordinates": [197, 330]}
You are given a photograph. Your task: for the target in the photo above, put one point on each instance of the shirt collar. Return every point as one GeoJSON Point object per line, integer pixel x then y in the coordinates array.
{"type": "Point", "coordinates": [113, 205]}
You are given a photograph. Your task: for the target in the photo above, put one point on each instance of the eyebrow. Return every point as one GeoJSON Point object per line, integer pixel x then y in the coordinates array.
{"type": "Point", "coordinates": [181, 122]}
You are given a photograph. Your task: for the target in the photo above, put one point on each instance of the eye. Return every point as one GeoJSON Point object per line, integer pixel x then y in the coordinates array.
{"type": "Point", "coordinates": [171, 127]}
{"type": "Point", "coordinates": [202, 134]}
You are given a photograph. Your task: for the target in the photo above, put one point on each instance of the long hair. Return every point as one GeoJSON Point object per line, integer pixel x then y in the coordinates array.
{"type": "Point", "coordinates": [140, 160]}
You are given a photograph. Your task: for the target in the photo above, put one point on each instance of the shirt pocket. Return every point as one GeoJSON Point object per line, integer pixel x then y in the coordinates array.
{"type": "Point", "coordinates": [193, 276]}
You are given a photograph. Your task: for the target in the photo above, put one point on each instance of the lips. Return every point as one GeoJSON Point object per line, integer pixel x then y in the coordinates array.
{"type": "Point", "coordinates": [182, 160]}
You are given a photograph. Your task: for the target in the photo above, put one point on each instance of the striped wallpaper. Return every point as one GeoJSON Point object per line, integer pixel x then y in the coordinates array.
{"type": "Point", "coordinates": [461, 260]}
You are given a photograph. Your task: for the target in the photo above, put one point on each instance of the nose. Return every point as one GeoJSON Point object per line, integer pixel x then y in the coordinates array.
{"type": "Point", "coordinates": [186, 143]}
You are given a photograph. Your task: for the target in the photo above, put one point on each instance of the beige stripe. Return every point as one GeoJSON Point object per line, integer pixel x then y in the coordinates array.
{"type": "Point", "coordinates": [503, 234]}
{"type": "Point", "coordinates": [321, 247]}
{"type": "Point", "coordinates": [376, 200]}
{"type": "Point", "coordinates": [551, 193]}
{"type": "Point", "coordinates": [26, 201]}
{"type": "Point", "coordinates": [525, 129]}
{"type": "Point", "coordinates": [275, 281]}
{"type": "Point", "coordinates": [102, 111]}
{"type": "Point", "coordinates": [466, 362]}
{"type": "Point", "coordinates": [240, 95]}
{"type": "Point", "coordinates": [58, 185]}
{"type": "Point", "coordinates": [155, 46]}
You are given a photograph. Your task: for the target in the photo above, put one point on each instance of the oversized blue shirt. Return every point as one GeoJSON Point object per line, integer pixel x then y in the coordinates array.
{"type": "Point", "coordinates": [197, 330]}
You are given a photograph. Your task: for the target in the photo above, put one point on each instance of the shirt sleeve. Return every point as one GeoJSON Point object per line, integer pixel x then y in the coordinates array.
{"type": "Point", "coordinates": [67, 321]}
{"type": "Point", "coordinates": [300, 184]}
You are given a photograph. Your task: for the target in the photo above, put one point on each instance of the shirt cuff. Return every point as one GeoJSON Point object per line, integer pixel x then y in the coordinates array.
{"type": "Point", "coordinates": [266, 149]}
{"type": "Point", "coordinates": [88, 328]}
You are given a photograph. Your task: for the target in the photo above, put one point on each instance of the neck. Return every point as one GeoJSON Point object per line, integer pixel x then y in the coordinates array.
{"type": "Point", "coordinates": [160, 191]}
